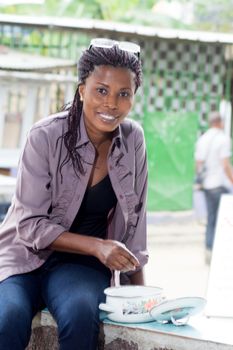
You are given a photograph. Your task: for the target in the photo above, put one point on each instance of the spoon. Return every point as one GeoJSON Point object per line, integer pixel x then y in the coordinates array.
{"type": "Point", "coordinates": [117, 278]}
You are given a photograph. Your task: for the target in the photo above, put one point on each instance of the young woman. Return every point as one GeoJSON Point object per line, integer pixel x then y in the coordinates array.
{"type": "Point", "coordinates": [78, 212]}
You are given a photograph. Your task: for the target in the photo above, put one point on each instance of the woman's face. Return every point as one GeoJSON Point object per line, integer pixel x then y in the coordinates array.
{"type": "Point", "coordinates": [108, 95]}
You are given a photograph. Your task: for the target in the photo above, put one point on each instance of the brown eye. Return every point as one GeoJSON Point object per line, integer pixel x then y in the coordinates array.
{"type": "Point", "coordinates": [102, 91]}
{"type": "Point", "coordinates": [125, 94]}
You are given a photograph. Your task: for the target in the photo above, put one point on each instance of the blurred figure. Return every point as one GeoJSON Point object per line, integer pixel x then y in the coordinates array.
{"type": "Point", "coordinates": [213, 151]}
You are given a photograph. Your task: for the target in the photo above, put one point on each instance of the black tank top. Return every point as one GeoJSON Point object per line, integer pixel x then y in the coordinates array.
{"type": "Point", "coordinates": [91, 218]}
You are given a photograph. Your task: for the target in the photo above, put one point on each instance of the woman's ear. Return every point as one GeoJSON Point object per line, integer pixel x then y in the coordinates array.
{"type": "Point", "coordinates": [81, 89]}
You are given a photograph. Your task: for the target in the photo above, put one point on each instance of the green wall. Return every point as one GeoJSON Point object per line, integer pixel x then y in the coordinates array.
{"type": "Point", "coordinates": [170, 138]}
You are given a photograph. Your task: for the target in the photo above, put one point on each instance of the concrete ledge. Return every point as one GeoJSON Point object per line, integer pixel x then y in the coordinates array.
{"type": "Point", "coordinates": [200, 333]}
{"type": "Point", "coordinates": [44, 333]}
{"type": "Point", "coordinates": [43, 338]}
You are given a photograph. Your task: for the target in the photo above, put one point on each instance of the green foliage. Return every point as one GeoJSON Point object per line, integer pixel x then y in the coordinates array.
{"type": "Point", "coordinates": [148, 18]}
{"type": "Point", "coordinates": [215, 15]}
{"type": "Point", "coordinates": [115, 9]}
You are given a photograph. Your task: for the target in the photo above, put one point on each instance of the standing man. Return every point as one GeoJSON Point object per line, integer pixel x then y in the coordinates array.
{"type": "Point", "coordinates": [213, 150]}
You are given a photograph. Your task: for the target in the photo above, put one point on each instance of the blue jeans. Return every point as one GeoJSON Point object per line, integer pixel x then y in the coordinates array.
{"type": "Point", "coordinates": [213, 197]}
{"type": "Point", "coordinates": [70, 286]}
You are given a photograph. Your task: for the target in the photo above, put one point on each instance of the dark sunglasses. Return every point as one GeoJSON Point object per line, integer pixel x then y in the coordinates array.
{"type": "Point", "coordinates": [109, 43]}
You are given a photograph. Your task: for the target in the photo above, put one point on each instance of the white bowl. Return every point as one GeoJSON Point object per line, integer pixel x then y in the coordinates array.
{"type": "Point", "coordinates": [131, 304]}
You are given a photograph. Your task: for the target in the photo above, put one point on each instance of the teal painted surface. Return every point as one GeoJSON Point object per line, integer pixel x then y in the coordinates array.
{"type": "Point", "coordinates": [216, 330]}
{"type": "Point", "coordinates": [170, 139]}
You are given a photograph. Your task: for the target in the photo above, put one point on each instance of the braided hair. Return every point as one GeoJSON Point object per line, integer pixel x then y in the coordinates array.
{"type": "Point", "coordinates": [95, 56]}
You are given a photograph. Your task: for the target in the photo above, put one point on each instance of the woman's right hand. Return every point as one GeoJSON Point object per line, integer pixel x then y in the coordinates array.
{"type": "Point", "coordinates": [112, 254]}
{"type": "Point", "coordinates": [116, 256]}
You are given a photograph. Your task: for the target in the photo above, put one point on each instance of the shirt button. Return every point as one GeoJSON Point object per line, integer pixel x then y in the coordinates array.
{"type": "Point", "coordinates": [110, 167]}
{"type": "Point", "coordinates": [121, 196]}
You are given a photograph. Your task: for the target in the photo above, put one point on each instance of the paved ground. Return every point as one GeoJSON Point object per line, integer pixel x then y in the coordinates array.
{"type": "Point", "coordinates": [177, 254]}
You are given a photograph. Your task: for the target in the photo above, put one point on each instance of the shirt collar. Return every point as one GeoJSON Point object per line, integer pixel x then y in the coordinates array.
{"type": "Point", "coordinates": [83, 139]}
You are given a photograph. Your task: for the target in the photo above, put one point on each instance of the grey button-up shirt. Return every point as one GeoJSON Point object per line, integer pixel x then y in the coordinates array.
{"type": "Point", "coordinates": [44, 205]}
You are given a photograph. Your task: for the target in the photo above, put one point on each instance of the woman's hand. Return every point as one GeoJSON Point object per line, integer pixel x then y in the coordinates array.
{"type": "Point", "coordinates": [112, 254]}
{"type": "Point", "coordinates": [116, 256]}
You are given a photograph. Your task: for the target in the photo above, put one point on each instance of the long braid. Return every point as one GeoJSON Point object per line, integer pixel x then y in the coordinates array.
{"type": "Point", "coordinates": [72, 135]}
{"type": "Point", "coordinates": [89, 59]}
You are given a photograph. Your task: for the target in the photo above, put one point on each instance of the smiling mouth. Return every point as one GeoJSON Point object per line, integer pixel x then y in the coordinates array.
{"type": "Point", "coordinates": [107, 117]}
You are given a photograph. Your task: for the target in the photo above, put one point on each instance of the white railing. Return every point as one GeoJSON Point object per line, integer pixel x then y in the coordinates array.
{"type": "Point", "coordinates": [28, 85]}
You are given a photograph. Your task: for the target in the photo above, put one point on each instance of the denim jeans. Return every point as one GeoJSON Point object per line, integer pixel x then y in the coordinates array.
{"type": "Point", "coordinates": [213, 197]}
{"type": "Point", "coordinates": [70, 286]}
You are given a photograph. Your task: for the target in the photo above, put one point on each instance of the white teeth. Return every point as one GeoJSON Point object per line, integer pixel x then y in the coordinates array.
{"type": "Point", "coordinates": [107, 117]}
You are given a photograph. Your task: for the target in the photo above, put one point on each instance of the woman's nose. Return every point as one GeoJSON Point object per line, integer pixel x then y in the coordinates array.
{"type": "Point", "coordinates": [111, 101]}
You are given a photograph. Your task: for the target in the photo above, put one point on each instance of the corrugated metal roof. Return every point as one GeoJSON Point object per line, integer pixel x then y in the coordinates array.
{"type": "Point", "coordinates": [88, 25]}
{"type": "Point", "coordinates": [21, 61]}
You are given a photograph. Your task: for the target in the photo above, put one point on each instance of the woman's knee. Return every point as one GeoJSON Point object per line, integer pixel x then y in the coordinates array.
{"type": "Point", "coordinates": [14, 316]}
{"type": "Point", "coordinates": [15, 326]}
{"type": "Point", "coordinates": [79, 309]}
{"type": "Point", "coordinates": [78, 323]}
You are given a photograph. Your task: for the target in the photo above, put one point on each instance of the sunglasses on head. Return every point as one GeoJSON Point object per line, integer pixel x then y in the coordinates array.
{"type": "Point", "coordinates": [109, 43]}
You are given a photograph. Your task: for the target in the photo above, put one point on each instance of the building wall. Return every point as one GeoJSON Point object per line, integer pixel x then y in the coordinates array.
{"type": "Point", "coordinates": [183, 81]}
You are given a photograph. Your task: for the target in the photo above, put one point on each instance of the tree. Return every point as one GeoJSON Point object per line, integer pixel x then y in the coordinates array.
{"type": "Point", "coordinates": [214, 15]}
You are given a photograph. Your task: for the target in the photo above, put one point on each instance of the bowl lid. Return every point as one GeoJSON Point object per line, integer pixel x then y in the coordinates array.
{"type": "Point", "coordinates": [178, 308]}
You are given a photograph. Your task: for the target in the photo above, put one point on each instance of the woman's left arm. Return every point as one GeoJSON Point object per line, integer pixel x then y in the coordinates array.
{"type": "Point", "coordinates": [137, 242]}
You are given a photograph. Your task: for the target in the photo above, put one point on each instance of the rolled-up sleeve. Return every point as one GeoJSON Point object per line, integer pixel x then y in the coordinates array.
{"type": "Point", "coordinates": [33, 197]}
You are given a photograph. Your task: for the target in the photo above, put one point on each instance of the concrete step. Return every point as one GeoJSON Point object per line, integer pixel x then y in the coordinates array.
{"type": "Point", "coordinates": [202, 333]}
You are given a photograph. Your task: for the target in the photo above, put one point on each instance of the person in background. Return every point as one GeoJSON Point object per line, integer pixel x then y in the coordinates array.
{"type": "Point", "coordinates": [213, 151]}
{"type": "Point", "coordinates": [78, 212]}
